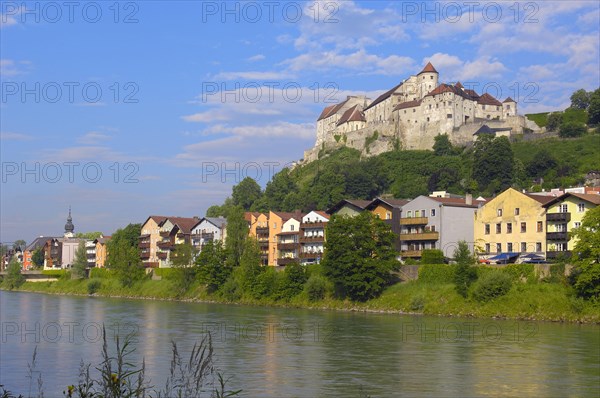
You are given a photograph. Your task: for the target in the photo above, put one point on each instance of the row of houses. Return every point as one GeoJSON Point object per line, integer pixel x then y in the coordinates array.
{"type": "Point", "coordinates": [510, 225]}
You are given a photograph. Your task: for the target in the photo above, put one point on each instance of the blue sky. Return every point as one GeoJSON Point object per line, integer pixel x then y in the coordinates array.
{"type": "Point", "coordinates": [157, 107]}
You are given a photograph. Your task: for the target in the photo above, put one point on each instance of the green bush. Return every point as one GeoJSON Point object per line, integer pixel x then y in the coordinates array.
{"type": "Point", "coordinates": [231, 289]}
{"type": "Point", "coordinates": [587, 283]}
{"type": "Point", "coordinates": [491, 285]}
{"type": "Point", "coordinates": [436, 273]}
{"type": "Point", "coordinates": [573, 115]}
{"type": "Point", "coordinates": [103, 273]}
{"type": "Point", "coordinates": [93, 286]}
{"type": "Point", "coordinates": [571, 129]}
{"type": "Point", "coordinates": [432, 256]}
{"type": "Point", "coordinates": [417, 303]}
{"type": "Point", "coordinates": [58, 273]}
{"type": "Point", "coordinates": [520, 271]}
{"type": "Point", "coordinates": [316, 287]}
{"type": "Point", "coordinates": [167, 273]}
{"type": "Point", "coordinates": [13, 278]}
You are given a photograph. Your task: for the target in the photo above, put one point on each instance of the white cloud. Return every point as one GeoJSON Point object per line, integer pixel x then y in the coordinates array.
{"type": "Point", "coordinates": [10, 136]}
{"type": "Point", "coordinates": [257, 57]}
{"type": "Point", "coordinates": [93, 138]}
{"type": "Point", "coordinates": [9, 67]}
{"type": "Point", "coordinates": [206, 117]}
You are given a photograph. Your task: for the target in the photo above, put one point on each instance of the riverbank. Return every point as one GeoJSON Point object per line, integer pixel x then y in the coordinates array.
{"type": "Point", "coordinates": [538, 301]}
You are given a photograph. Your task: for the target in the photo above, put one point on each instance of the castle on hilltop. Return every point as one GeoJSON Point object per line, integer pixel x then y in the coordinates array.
{"type": "Point", "coordinates": [411, 114]}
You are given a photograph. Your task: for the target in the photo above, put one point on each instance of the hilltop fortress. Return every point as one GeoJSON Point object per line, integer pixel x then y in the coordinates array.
{"type": "Point", "coordinates": [411, 114]}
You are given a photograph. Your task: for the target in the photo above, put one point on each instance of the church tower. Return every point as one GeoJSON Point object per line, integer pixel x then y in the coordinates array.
{"type": "Point", "coordinates": [427, 80]}
{"type": "Point", "coordinates": [69, 227]}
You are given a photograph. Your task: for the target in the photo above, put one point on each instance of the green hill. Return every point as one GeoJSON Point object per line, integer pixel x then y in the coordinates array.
{"type": "Point", "coordinates": [486, 169]}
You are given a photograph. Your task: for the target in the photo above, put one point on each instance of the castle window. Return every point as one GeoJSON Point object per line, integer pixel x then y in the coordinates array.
{"type": "Point", "coordinates": [414, 110]}
{"type": "Point", "coordinates": [427, 119]}
{"type": "Point", "coordinates": [431, 77]}
{"type": "Point", "coordinates": [488, 116]}
{"type": "Point", "coordinates": [405, 111]}
{"type": "Point", "coordinates": [449, 116]}
{"type": "Point", "coordinates": [429, 106]}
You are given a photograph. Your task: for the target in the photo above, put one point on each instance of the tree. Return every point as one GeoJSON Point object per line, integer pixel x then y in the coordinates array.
{"type": "Point", "coordinates": [432, 256]}
{"type": "Point", "coordinates": [594, 108]}
{"type": "Point", "coordinates": [19, 243]}
{"type": "Point", "coordinates": [571, 129]}
{"type": "Point", "coordinates": [580, 99]}
{"type": "Point", "coordinates": [292, 281]}
{"type": "Point", "coordinates": [80, 262]}
{"type": "Point", "coordinates": [237, 233]}
{"type": "Point", "coordinates": [442, 145]}
{"type": "Point", "coordinates": [38, 258]}
{"type": "Point", "coordinates": [13, 278]}
{"type": "Point", "coordinates": [554, 121]}
{"type": "Point", "coordinates": [182, 258]}
{"type": "Point", "coordinates": [124, 254]}
{"type": "Point", "coordinates": [586, 275]}
{"type": "Point", "coordinates": [246, 193]}
{"type": "Point", "coordinates": [541, 163]}
{"type": "Point", "coordinates": [88, 235]}
{"type": "Point", "coordinates": [359, 255]}
{"type": "Point", "coordinates": [493, 161]}
{"type": "Point", "coordinates": [213, 270]}
{"type": "Point", "coordinates": [464, 273]}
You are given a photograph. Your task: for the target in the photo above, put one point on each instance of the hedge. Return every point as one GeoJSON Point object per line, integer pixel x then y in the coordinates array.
{"type": "Point", "coordinates": [103, 273]}
{"type": "Point", "coordinates": [436, 273]}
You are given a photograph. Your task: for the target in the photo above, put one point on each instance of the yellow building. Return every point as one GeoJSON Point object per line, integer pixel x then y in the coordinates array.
{"type": "Point", "coordinates": [512, 222]}
{"type": "Point", "coordinates": [563, 214]}
{"type": "Point", "coordinates": [101, 251]}
{"type": "Point", "coordinates": [149, 239]}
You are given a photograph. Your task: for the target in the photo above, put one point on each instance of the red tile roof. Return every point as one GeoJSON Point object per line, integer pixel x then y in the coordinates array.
{"type": "Point", "coordinates": [326, 111]}
{"type": "Point", "coordinates": [352, 115]}
{"type": "Point", "coordinates": [487, 99]}
{"type": "Point", "coordinates": [447, 88]}
{"type": "Point", "coordinates": [588, 197]}
{"type": "Point", "coordinates": [185, 224]}
{"type": "Point", "coordinates": [428, 69]}
{"type": "Point", "coordinates": [508, 99]}
{"type": "Point", "coordinates": [322, 213]}
{"type": "Point", "coordinates": [332, 110]}
{"type": "Point", "coordinates": [543, 199]}
{"type": "Point", "coordinates": [458, 85]}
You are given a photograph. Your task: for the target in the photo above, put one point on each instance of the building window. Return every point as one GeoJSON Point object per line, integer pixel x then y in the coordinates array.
{"type": "Point", "coordinates": [509, 247]}
{"type": "Point", "coordinates": [577, 224]}
{"type": "Point", "coordinates": [431, 77]}
{"type": "Point", "coordinates": [499, 212]}
{"type": "Point", "coordinates": [498, 247]}
{"type": "Point", "coordinates": [517, 211]}
{"type": "Point", "coordinates": [409, 214]}
{"type": "Point", "coordinates": [523, 227]}
{"type": "Point", "coordinates": [487, 247]}
{"type": "Point", "coordinates": [292, 227]}
{"type": "Point", "coordinates": [449, 116]}
{"type": "Point", "coordinates": [580, 207]}
{"type": "Point", "coordinates": [523, 246]}
{"type": "Point", "coordinates": [432, 212]}
{"type": "Point", "coordinates": [432, 228]}
{"type": "Point", "coordinates": [540, 226]}
{"type": "Point", "coordinates": [498, 228]}
{"type": "Point", "coordinates": [564, 208]}
{"type": "Point", "coordinates": [388, 215]}
{"type": "Point", "coordinates": [538, 246]}
{"type": "Point", "coordinates": [274, 225]}
{"type": "Point", "coordinates": [509, 228]}
{"type": "Point", "coordinates": [487, 229]}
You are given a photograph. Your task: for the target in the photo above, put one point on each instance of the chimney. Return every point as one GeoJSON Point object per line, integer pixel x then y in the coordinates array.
{"type": "Point", "coordinates": [469, 199]}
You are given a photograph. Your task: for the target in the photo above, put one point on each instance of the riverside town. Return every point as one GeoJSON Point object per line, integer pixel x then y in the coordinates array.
{"type": "Point", "coordinates": [316, 198]}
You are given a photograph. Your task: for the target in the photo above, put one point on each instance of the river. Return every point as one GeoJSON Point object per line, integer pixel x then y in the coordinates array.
{"type": "Point", "coordinates": [276, 352]}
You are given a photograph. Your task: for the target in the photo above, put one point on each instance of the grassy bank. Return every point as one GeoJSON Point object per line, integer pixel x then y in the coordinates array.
{"type": "Point", "coordinates": [531, 300]}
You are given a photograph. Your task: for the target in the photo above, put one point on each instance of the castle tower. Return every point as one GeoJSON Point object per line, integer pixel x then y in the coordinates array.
{"type": "Point", "coordinates": [69, 227]}
{"type": "Point", "coordinates": [427, 80]}
{"type": "Point", "coordinates": [509, 108]}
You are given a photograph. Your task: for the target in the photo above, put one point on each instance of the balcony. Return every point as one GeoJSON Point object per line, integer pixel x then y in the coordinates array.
{"type": "Point", "coordinates": [287, 246]}
{"type": "Point", "coordinates": [411, 253]}
{"type": "Point", "coordinates": [165, 234]}
{"type": "Point", "coordinates": [311, 255]}
{"type": "Point", "coordinates": [414, 221]}
{"type": "Point", "coordinates": [165, 245]}
{"type": "Point", "coordinates": [308, 239]}
{"type": "Point", "coordinates": [262, 230]}
{"type": "Point", "coordinates": [145, 254]}
{"type": "Point", "coordinates": [162, 255]}
{"type": "Point", "coordinates": [420, 236]}
{"type": "Point", "coordinates": [558, 217]}
{"type": "Point", "coordinates": [553, 255]}
{"type": "Point", "coordinates": [286, 260]}
{"type": "Point", "coordinates": [314, 224]}
{"type": "Point", "coordinates": [144, 245]}
{"type": "Point", "coordinates": [561, 236]}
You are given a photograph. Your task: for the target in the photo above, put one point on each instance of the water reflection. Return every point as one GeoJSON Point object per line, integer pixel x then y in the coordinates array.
{"type": "Point", "coordinates": [284, 352]}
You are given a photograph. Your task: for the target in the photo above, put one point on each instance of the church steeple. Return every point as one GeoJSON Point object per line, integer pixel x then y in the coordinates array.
{"type": "Point", "coordinates": [69, 227]}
